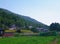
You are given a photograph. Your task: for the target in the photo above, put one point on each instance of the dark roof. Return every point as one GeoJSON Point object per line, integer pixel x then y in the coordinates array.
{"type": "Point", "coordinates": [1, 29]}
{"type": "Point", "coordinates": [12, 26]}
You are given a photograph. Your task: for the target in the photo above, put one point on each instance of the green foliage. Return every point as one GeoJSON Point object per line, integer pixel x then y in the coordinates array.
{"type": "Point", "coordinates": [18, 31]}
{"type": "Point", "coordinates": [48, 33]}
{"type": "Point", "coordinates": [16, 35]}
{"type": "Point", "coordinates": [55, 27]}
{"type": "Point", "coordinates": [34, 30]}
{"type": "Point", "coordinates": [8, 18]}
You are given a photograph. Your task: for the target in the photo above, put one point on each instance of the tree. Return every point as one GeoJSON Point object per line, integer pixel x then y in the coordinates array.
{"type": "Point", "coordinates": [55, 27]}
{"type": "Point", "coordinates": [34, 30]}
{"type": "Point", "coordinates": [18, 31]}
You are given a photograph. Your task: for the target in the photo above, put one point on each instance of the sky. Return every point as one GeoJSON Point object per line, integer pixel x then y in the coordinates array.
{"type": "Point", "coordinates": [45, 11]}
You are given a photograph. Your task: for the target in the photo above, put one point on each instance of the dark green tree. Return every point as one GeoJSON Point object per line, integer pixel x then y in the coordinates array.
{"type": "Point", "coordinates": [55, 27]}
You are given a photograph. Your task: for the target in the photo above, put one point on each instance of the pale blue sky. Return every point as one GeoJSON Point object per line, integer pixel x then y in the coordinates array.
{"type": "Point", "coordinates": [45, 11]}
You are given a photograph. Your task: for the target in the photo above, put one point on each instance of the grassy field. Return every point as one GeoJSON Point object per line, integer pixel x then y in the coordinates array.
{"type": "Point", "coordinates": [58, 40]}
{"type": "Point", "coordinates": [27, 40]}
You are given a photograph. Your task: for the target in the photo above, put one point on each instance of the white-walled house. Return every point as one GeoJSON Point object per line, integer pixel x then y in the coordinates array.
{"type": "Point", "coordinates": [12, 27]}
{"type": "Point", "coordinates": [42, 29]}
{"type": "Point", "coordinates": [30, 27]}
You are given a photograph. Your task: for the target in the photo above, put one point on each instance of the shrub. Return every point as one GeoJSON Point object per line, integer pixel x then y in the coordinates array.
{"type": "Point", "coordinates": [48, 34]}
{"type": "Point", "coordinates": [18, 31]}
{"type": "Point", "coordinates": [16, 35]}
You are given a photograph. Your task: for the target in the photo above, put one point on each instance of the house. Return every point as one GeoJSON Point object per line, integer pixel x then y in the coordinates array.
{"type": "Point", "coordinates": [42, 29]}
{"type": "Point", "coordinates": [12, 27]}
{"type": "Point", "coordinates": [10, 32]}
{"type": "Point", "coordinates": [46, 30]}
{"type": "Point", "coordinates": [30, 27]}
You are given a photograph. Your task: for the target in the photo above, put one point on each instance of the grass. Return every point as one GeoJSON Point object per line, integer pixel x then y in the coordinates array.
{"type": "Point", "coordinates": [58, 40]}
{"type": "Point", "coordinates": [10, 30]}
{"type": "Point", "coordinates": [27, 40]}
{"type": "Point", "coordinates": [23, 31]}
{"type": "Point", "coordinates": [26, 31]}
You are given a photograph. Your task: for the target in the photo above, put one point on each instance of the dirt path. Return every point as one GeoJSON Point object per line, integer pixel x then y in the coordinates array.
{"type": "Point", "coordinates": [54, 41]}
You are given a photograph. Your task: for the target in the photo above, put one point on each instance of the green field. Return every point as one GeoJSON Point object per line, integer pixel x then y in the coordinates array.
{"type": "Point", "coordinates": [27, 40]}
{"type": "Point", "coordinates": [58, 40]}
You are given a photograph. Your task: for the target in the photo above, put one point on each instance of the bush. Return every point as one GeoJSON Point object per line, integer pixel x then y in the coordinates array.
{"type": "Point", "coordinates": [18, 31]}
{"type": "Point", "coordinates": [48, 34]}
{"type": "Point", "coordinates": [34, 30]}
{"type": "Point", "coordinates": [16, 35]}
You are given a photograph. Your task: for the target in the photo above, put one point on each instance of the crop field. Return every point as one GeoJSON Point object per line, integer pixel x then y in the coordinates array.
{"type": "Point", "coordinates": [27, 40]}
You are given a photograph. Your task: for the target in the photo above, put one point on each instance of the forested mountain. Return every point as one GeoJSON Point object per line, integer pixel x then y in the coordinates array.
{"type": "Point", "coordinates": [8, 18]}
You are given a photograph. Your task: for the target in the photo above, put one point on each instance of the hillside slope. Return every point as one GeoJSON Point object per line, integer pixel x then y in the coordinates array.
{"type": "Point", "coordinates": [8, 18]}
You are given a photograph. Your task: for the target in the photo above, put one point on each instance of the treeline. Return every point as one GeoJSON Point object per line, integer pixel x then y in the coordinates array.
{"type": "Point", "coordinates": [54, 27]}
{"type": "Point", "coordinates": [54, 30]}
